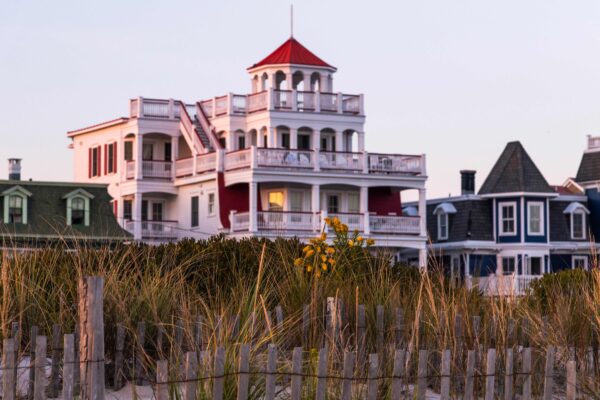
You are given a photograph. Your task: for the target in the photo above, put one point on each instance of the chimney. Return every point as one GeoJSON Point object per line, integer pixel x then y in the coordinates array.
{"type": "Point", "coordinates": [467, 182]}
{"type": "Point", "coordinates": [14, 169]}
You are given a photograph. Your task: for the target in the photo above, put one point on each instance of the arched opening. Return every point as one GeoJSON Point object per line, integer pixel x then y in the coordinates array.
{"type": "Point", "coordinates": [283, 136]}
{"type": "Point", "coordinates": [350, 138]}
{"type": "Point", "coordinates": [239, 137]}
{"type": "Point", "coordinates": [253, 136]}
{"type": "Point", "coordinates": [280, 81]}
{"type": "Point", "coordinates": [315, 82]}
{"type": "Point", "coordinates": [255, 84]}
{"type": "Point", "coordinates": [222, 137]}
{"type": "Point", "coordinates": [264, 135]}
{"type": "Point", "coordinates": [328, 140]}
{"type": "Point", "coordinates": [264, 82]}
{"type": "Point", "coordinates": [305, 138]}
{"type": "Point", "coordinates": [298, 81]}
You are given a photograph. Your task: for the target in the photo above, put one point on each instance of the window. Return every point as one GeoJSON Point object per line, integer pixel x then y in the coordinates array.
{"type": "Point", "coordinates": [223, 142]}
{"type": "Point", "coordinates": [144, 210]}
{"type": "Point", "coordinates": [304, 142]}
{"type": "Point", "coordinates": [535, 220]}
{"type": "Point", "coordinates": [508, 265]}
{"type": "Point", "coordinates": [211, 204]}
{"type": "Point", "coordinates": [168, 152]}
{"type": "Point", "coordinates": [534, 266]}
{"type": "Point", "coordinates": [77, 211]}
{"type": "Point", "coordinates": [127, 210]}
{"type": "Point", "coordinates": [128, 151]}
{"type": "Point", "coordinates": [241, 142]}
{"type": "Point", "coordinates": [354, 203]}
{"type": "Point", "coordinates": [194, 211]}
{"type": "Point", "coordinates": [78, 207]}
{"type": "Point", "coordinates": [333, 204]}
{"type": "Point", "coordinates": [157, 211]}
{"type": "Point", "coordinates": [265, 141]}
{"type": "Point", "coordinates": [296, 204]}
{"type": "Point", "coordinates": [285, 140]}
{"type": "Point", "coordinates": [275, 201]}
{"type": "Point", "coordinates": [507, 219]}
{"type": "Point", "coordinates": [580, 262]}
{"type": "Point", "coordinates": [111, 158]}
{"type": "Point", "coordinates": [578, 225]}
{"type": "Point", "coordinates": [94, 162]}
{"type": "Point", "coordinates": [147, 153]}
{"type": "Point", "coordinates": [15, 209]}
{"type": "Point", "coordinates": [442, 226]}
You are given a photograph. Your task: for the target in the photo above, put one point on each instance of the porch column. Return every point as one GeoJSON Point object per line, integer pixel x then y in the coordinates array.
{"type": "Point", "coordinates": [293, 138]}
{"type": "Point", "coordinates": [252, 209]}
{"type": "Point", "coordinates": [423, 213]}
{"type": "Point", "coordinates": [139, 146]}
{"type": "Point", "coordinates": [315, 206]}
{"type": "Point", "coordinates": [364, 208]}
{"type": "Point", "coordinates": [316, 146]}
{"type": "Point", "coordinates": [174, 153]}
{"type": "Point", "coordinates": [137, 216]}
{"type": "Point", "coordinates": [339, 141]}
{"type": "Point", "coordinates": [272, 138]}
{"type": "Point", "coordinates": [120, 219]}
{"type": "Point", "coordinates": [289, 80]}
{"type": "Point", "coordinates": [361, 142]}
{"type": "Point", "coordinates": [423, 258]}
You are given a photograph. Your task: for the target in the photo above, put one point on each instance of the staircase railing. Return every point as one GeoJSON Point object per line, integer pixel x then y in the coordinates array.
{"type": "Point", "coordinates": [207, 127]}
{"type": "Point", "coordinates": [188, 128]}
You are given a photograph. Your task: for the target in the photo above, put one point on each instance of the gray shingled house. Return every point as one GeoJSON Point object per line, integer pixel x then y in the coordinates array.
{"type": "Point", "coordinates": [516, 228]}
{"type": "Point", "coordinates": [38, 214]}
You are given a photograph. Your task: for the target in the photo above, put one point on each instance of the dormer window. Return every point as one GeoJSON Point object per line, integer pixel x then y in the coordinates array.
{"type": "Point", "coordinates": [78, 207]}
{"type": "Point", "coordinates": [507, 219]}
{"type": "Point", "coordinates": [577, 214]}
{"type": "Point", "coordinates": [443, 226]}
{"type": "Point", "coordinates": [15, 205]}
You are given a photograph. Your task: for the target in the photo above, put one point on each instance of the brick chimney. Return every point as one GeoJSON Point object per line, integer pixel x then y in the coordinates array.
{"type": "Point", "coordinates": [14, 169]}
{"type": "Point", "coordinates": [467, 182]}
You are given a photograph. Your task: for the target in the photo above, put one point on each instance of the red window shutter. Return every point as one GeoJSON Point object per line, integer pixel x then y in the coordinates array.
{"type": "Point", "coordinates": [105, 160]}
{"type": "Point", "coordinates": [98, 163]}
{"type": "Point", "coordinates": [90, 162]}
{"type": "Point", "coordinates": [115, 207]}
{"type": "Point", "coordinates": [115, 157]}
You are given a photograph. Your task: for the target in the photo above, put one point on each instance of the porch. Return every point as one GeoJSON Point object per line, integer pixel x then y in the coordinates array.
{"type": "Point", "coordinates": [502, 285]}
{"type": "Point", "coordinates": [150, 216]}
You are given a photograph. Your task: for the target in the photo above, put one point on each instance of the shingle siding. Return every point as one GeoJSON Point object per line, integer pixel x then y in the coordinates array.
{"type": "Point", "coordinates": [589, 168]}
{"type": "Point", "coordinates": [560, 223]}
{"type": "Point", "coordinates": [472, 221]}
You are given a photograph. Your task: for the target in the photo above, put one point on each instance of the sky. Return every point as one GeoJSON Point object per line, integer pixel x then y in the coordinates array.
{"type": "Point", "coordinates": [455, 80]}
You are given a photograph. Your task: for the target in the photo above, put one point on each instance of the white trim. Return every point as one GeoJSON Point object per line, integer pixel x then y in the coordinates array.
{"type": "Point", "coordinates": [508, 257]}
{"type": "Point", "coordinates": [501, 205]}
{"type": "Point", "coordinates": [86, 208]}
{"type": "Point", "coordinates": [542, 223]}
{"type": "Point", "coordinates": [80, 192]}
{"type": "Point", "coordinates": [439, 226]}
{"type": "Point", "coordinates": [575, 206]}
{"type": "Point", "coordinates": [583, 225]}
{"type": "Point", "coordinates": [208, 212]}
{"type": "Point", "coordinates": [445, 208]}
{"type": "Point", "coordinates": [585, 261]}
{"type": "Point", "coordinates": [17, 188]}
{"type": "Point", "coordinates": [518, 194]}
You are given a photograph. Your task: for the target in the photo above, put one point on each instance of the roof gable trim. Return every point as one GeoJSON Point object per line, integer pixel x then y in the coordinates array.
{"type": "Point", "coordinates": [18, 188]}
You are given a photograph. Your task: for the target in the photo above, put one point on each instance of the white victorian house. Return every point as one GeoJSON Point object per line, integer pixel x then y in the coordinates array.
{"type": "Point", "coordinates": [270, 163]}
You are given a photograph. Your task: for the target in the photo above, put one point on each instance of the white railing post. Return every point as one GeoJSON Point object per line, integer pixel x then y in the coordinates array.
{"type": "Point", "coordinates": [340, 106]}
{"type": "Point", "coordinates": [324, 227]}
{"type": "Point", "coordinates": [140, 106]}
{"type": "Point", "coordinates": [171, 109]}
{"type": "Point", "coordinates": [220, 160]}
{"type": "Point", "coordinates": [229, 103]}
{"type": "Point", "coordinates": [252, 209]}
{"type": "Point", "coordinates": [361, 104]}
{"type": "Point", "coordinates": [317, 101]}
{"type": "Point", "coordinates": [139, 174]}
{"type": "Point", "coordinates": [270, 99]}
{"type": "Point", "coordinates": [253, 157]}
{"type": "Point", "coordinates": [422, 213]}
{"type": "Point", "coordinates": [231, 220]}
{"type": "Point", "coordinates": [194, 164]}
{"type": "Point", "coordinates": [367, 224]}
{"type": "Point", "coordinates": [317, 166]}
{"type": "Point", "coordinates": [365, 166]}
{"type": "Point", "coordinates": [294, 100]}
{"type": "Point", "coordinates": [423, 165]}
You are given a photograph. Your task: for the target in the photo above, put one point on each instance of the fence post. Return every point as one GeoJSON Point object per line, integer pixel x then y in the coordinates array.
{"type": "Point", "coordinates": [244, 370]}
{"type": "Point", "coordinates": [470, 375]}
{"type": "Point", "coordinates": [508, 374]}
{"type": "Point", "coordinates": [9, 385]}
{"type": "Point", "coordinates": [119, 347]}
{"type": "Point", "coordinates": [380, 325]}
{"type": "Point", "coordinates": [373, 383]}
{"type": "Point", "coordinates": [219, 381]}
{"type": "Point", "coordinates": [348, 373]}
{"type": "Point", "coordinates": [526, 371]}
{"type": "Point", "coordinates": [422, 374]}
{"type": "Point", "coordinates": [32, 335]}
{"type": "Point", "coordinates": [68, 366]}
{"type": "Point", "coordinates": [549, 372]}
{"type": "Point", "coordinates": [91, 324]}
{"type": "Point", "coordinates": [571, 380]}
{"type": "Point", "coordinates": [198, 334]}
{"type": "Point", "coordinates": [55, 369]}
{"type": "Point", "coordinates": [361, 328]}
{"type": "Point", "coordinates": [39, 386]}
{"type": "Point", "coordinates": [190, 376]}
{"type": "Point", "coordinates": [162, 377]}
{"type": "Point", "coordinates": [178, 338]}
{"type": "Point", "coordinates": [296, 373]}
{"type": "Point", "coordinates": [305, 325]}
{"type": "Point", "coordinates": [271, 371]}
{"type": "Point", "coordinates": [399, 327]}
{"type": "Point", "coordinates": [445, 381]}
{"type": "Point", "coordinates": [490, 371]}
{"type": "Point", "coordinates": [139, 354]}
{"type": "Point", "coordinates": [398, 373]}
{"type": "Point", "coordinates": [77, 371]}
{"type": "Point", "coordinates": [322, 374]}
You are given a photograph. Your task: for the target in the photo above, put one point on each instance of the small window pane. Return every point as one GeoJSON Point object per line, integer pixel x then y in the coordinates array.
{"type": "Point", "coordinates": [276, 201]}
{"type": "Point", "coordinates": [508, 265]}
{"type": "Point", "coordinates": [194, 211]}
{"type": "Point", "coordinates": [211, 204]}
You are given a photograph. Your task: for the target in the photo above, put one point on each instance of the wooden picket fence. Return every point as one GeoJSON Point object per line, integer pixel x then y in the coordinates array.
{"type": "Point", "coordinates": [197, 365]}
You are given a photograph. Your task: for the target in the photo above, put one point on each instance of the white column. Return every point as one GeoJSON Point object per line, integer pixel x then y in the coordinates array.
{"type": "Point", "coordinates": [315, 205]}
{"type": "Point", "coordinates": [293, 138]}
{"type": "Point", "coordinates": [361, 141]}
{"type": "Point", "coordinates": [423, 258]}
{"type": "Point", "coordinates": [174, 153]}
{"type": "Point", "coordinates": [252, 209]}
{"type": "Point", "coordinates": [272, 138]}
{"type": "Point", "coordinates": [289, 80]}
{"type": "Point", "coordinates": [120, 219]}
{"type": "Point", "coordinates": [339, 141]}
{"type": "Point", "coordinates": [423, 212]}
{"type": "Point", "coordinates": [137, 216]}
{"type": "Point", "coordinates": [316, 146]}
{"type": "Point", "coordinates": [364, 208]}
{"type": "Point", "coordinates": [139, 145]}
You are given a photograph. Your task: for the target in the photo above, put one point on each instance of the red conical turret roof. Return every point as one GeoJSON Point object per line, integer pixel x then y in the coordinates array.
{"type": "Point", "coordinates": [292, 52]}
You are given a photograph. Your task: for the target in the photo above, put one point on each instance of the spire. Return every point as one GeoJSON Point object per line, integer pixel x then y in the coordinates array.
{"type": "Point", "coordinates": [291, 20]}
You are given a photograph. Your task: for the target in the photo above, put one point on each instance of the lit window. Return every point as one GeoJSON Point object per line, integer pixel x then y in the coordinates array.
{"type": "Point", "coordinates": [535, 224]}
{"type": "Point", "coordinates": [507, 219]}
{"type": "Point", "coordinates": [276, 201]}
{"type": "Point", "coordinates": [15, 209]}
{"type": "Point", "coordinates": [211, 204]}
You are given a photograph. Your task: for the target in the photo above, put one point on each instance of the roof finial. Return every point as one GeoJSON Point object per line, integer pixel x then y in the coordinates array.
{"type": "Point", "coordinates": [291, 20]}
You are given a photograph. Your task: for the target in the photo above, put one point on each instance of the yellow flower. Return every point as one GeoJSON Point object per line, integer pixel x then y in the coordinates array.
{"type": "Point", "coordinates": [310, 252]}
{"type": "Point", "coordinates": [330, 250]}
{"type": "Point", "coordinates": [350, 242]}
{"type": "Point", "coordinates": [318, 274]}
{"type": "Point", "coordinates": [324, 266]}
{"type": "Point", "coordinates": [336, 220]}
{"type": "Point", "coordinates": [306, 248]}
{"type": "Point", "coordinates": [331, 261]}
{"type": "Point", "coordinates": [359, 239]}
{"type": "Point", "coordinates": [323, 236]}
{"type": "Point", "coordinates": [328, 220]}
{"type": "Point", "coordinates": [370, 242]}
{"type": "Point", "coordinates": [355, 231]}
{"type": "Point", "coordinates": [323, 257]}
{"type": "Point", "coordinates": [298, 262]}
{"type": "Point", "coordinates": [309, 268]}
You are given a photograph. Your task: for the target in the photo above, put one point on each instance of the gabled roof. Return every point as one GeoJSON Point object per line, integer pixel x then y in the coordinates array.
{"type": "Point", "coordinates": [589, 168]}
{"type": "Point", "coordinates": [515, 172]}
{"type": "Point", "coordinates": [292, 52]}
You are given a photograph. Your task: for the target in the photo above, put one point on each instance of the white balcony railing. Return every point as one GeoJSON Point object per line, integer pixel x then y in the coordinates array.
{"type": "Point", "coordinates": [184, 167]}
{"type": "Point", "coordinates": [392, 163]}
{"type": "Point", "coordinates": [130, 170]}
{"type": "Point", "coordinates": [394, 224]}
{"type": "Point", "coordinates": [353, 221]}
{"type": "Point", "coordinates": [257, 102]}
{"type": "Point", "coordinates": [163, 230]}
{"type": "Point", "coordinates": [206, 162]}
{"type": "Point", "coordinates": [502, 285]}
{"type": "Point", "coordinates": [239, 221]}
{"type": "Point", "coordinates": [238, 159]}
{"type": "Point", "coordinates": [282, 99]}
{"type": "Point", "coordinates": [285, 221]}
{"type": "Point", "coordinates": [341, 160]}
{"type": "Point", "coordinates": [284, 158]}
{"type": "Point", "coordinates": [157, 169]}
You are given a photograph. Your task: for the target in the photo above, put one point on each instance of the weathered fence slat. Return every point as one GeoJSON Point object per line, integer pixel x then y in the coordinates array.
{"type": "Point", "coordinates": [219, 381]}
{"type": "Point", "coordinates": [322, 375]}
{"type": "Point", "coordinates": [9, 384]}
{"type": "Point", "coordinates": [470, 375]}
{"type": "Point", "coordinates": [380, 327]}
{"type": "Point", "coordinates": [398, 373]}
{"type": "Point", "coordinates": [68, 366]}
{"type": "Point", "coordinates": [347, 375]}
{"type": "Point", "coordinates": [508, 374]}
{"type": "Point", "coordinates": [190, 376]}
{"type": "Point", "coordinates": [271, 371]}
{"type": "Point", "coordinates": [119, 347]}
{"type": "Point", "coordinates": [571, 380]}
{"type": "Point", "coordinates": [490, 371]}
{"type": "Point", "coordinates": [39, 386]}
{"type": "Point", "coordinates": [422, 374]}
{"type": "Point", "coordinates": [297, 373]}
{"type": "Point", "coordinates": [445, 380]}
{"type": "Point", "coordinates": [57, 339]}
{"type": "Point", "coordinates": [549, 373]}
{"type": "Point", "coordinates": [399, 327]}
{"type": "Point", "coordinates": [32, 335]}
{"type": "Point", "coordinates": [526, 371]}
{"type": "Point", "coordinates": [162, 377]}
{"type": "Point", "coordinates": [244, 372]}
{"type": "Point", "coordinates": [373, 383]}
{"type": "Point", "coordinates": [140, 354]}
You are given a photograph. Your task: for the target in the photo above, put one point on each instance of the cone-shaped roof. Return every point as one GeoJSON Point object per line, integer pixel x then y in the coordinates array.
{"type": "Point", "coordinates": [292, 52]}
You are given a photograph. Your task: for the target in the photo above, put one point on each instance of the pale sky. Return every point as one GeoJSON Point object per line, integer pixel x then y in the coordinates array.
{"type": "Point", "coordinates": [453, 79]}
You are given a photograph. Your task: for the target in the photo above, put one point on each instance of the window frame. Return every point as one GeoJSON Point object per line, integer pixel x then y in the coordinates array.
{"type": "Point", "coordinates": [128, 150]}
{"type": "Point", "coordinates": [582, 214]}
{"type": "Point", "coordinates": [501, 207]}
{"type": "Point", "coordinates": [514, 266]}
{"type": "Point", "coordinates": [78, 194]}
{"type": "Point", "coordinates": [580, 258]}
{"type": "Point", "coordinates": [211, 204]}
{"type": "Point", "coordinates": [17, 191]}
{"type": "Point", "coordinates": [127, 210]}
{"type": "Point", "coordinates": [74, 200]}
{"type": "Point", "coordinates": [96, 164]}
{"type": "Point", "coordinates": [111, 150]}
{"type": "Point", "coordinates": [21, 207]}
{"type": "Point", "coordinates": [442, 216]}
{"type": "Point", "coordinates": [194, 211]}
{"type": "Point", "coordinates": [542, 230]}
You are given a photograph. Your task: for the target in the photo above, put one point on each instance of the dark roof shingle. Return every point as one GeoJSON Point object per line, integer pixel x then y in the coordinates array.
{"type": "Point", "coordinates": [589, 168]}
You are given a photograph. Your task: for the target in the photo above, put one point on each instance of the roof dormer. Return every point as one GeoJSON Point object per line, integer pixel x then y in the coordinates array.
{"type": "Point", "coordinates": [15, 205]}
{"type": "Point", "coordinates": [78, 207]}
